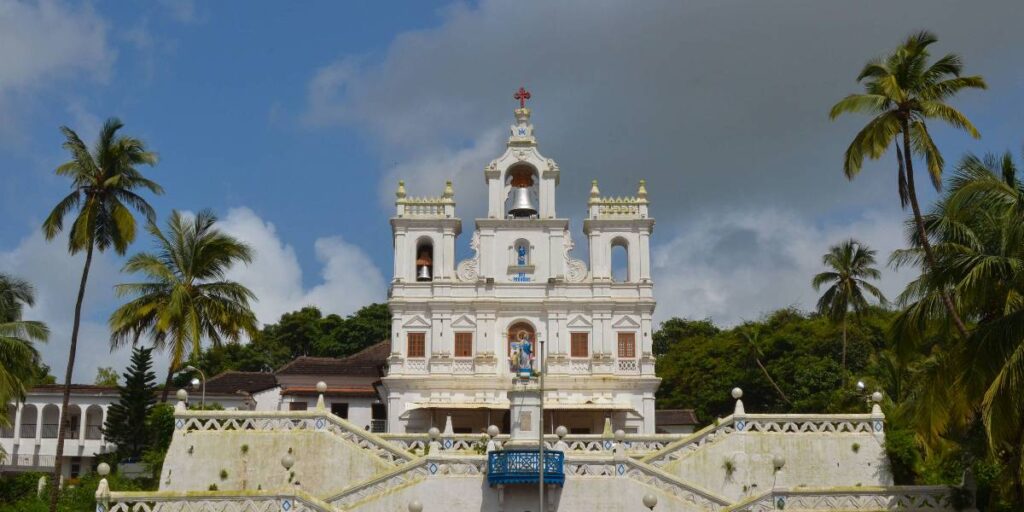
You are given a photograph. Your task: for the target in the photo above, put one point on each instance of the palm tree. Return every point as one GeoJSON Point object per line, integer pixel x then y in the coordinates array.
{"type": "Point", "coordinates": [978, 233]}
{"type": "Point", "coordinates": [104, 184]}
{"type": "Point", "coordinates": [185, 296]}
{"type": "Point", "coordinates": [851, 264]}
{"type": "Point", "coordinates": [903, 91]}
{"type": "Point", "coordinates": [752, 334]}
{"type": "Point", "coordinates": [18, 355]}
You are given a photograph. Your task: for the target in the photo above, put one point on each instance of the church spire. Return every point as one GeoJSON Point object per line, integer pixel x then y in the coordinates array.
{"type": "Point", "coordinates": [522, 131]}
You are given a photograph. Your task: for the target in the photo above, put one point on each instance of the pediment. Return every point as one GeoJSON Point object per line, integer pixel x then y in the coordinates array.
{"type": "Point", "coordinates": [463, 321]}
{"type": "Point", "coordinates": [417, 322]}
{"type": "Point", "coordinates": [626, 322]}
{"type": "Point", "coordinates": [580, 321]}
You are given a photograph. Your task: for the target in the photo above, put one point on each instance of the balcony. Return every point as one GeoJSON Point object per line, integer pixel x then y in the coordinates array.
{"type": "Point", "coordinates": [28, 431]}
{"type": "Point", "coordinates": [520, 467]}
{"type": "Point", "coordinates": [93, 432]}
{"type": "Point", "coordinates": [50, 431]}
{"type": "Point", "coordinates": [629, 367]}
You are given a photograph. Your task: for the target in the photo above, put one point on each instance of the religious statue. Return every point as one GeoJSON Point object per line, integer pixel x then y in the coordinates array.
{"type": "Point", "coordinates": [521, 255]}
{"type": "Point", "coordinates": [521, 355]}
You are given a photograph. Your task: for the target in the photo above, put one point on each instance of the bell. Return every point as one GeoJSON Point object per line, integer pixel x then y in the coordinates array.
{"type": "Point", "coordinates": [522, 205]}
{"type": "Point", "coordinates": [423, 273]}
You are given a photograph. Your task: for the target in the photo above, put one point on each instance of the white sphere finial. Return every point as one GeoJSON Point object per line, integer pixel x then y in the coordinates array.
{"type": "Point", "coordinates": [561, 431]}
{"type": "Point", "coordinates": [103, 469]}
{"type": "Point", "coordinates": [493, 431]}
{"type": "Point", "coordinates": [650, 501]}
{"type": "Point", "coordinates": [182, 395]}
{"type": "Point", "coordinates": [415, 506]}
{"type": "Point", "coordinates": [620, 435]}
{"type": "Point", "coordinates": [876, 397]}
{"type": "Point", "coordinates": [778, 461]}
{"type": "Point", "coordinates": [737, 393]}
{"type": "Point", "coordinates": [434, 433]}
{"type": "Point", "coordinates": [287, 461]}
{"type": "Point", "coordinates": [321, 387]}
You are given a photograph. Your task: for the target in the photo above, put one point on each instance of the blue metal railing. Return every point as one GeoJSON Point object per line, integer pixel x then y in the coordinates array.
{"type": "Point", "coordinates": [520, 467]}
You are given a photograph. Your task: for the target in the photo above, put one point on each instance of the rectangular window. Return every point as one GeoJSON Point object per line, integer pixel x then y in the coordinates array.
{"type": "Point", "coordinates": [579, 344]}
{"type": "Point", "coordinates": [627, 345]}
{"type": "Point", "coordinates": [417, 344]}
{"type": "Point", "coordinates": [463, 344]}
{"type": "Point", "coordinates": [340, 410]}
{"type": "Point", "coordinates": [297, 406]}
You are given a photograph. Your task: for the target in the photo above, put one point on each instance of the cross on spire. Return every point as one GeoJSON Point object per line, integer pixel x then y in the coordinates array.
{"type": "Point", "coordinates": [522, 95]}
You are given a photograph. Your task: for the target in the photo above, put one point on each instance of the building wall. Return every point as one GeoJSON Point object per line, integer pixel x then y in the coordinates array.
{"type": "Point", "coordinates": [324, 464]}
{"type": "Point", "coordinates": [811, 460]}
{"type": "Point", "coordinates": [31, 441]}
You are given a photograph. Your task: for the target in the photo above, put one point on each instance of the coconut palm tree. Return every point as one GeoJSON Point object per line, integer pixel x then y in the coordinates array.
{"type": "Point", "coordinates": [104, 185]}
{"type": "Point", "coordinates": [978, 233]}
{"type": "Point", "coordinates": [18, 355]}
{"type": "Point", "coordinates": [851, 265]}
{"type": "Point", "coordinates": [185, 297]}
{"type": "Point", "coordinates": [903, 91]}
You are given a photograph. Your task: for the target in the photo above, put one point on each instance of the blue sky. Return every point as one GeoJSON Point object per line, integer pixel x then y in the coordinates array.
{"type": "Point", "coordinates": [294, 120]}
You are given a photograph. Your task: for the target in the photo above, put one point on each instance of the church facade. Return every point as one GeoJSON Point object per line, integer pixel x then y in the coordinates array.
{"type": "Point", "coordinates": [463, 330]}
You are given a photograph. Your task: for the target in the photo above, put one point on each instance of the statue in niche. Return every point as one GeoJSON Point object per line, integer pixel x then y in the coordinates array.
{"type": "Point", "coordinates": [522, 255]}
{"type": "Point", "coordinates": [521, 355]}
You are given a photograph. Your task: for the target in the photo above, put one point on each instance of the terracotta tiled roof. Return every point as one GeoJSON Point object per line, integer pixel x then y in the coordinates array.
{"type": "Point", "coordinates": [346, 391]}
{"type": "Point", "coordinates": [231, 381]}
{"type": "Point", "coordinates": [367, 362]}
{"type": "Point", "coordinates": [83, 389]}
{"type": "Point", "coordinates": [674, 417]}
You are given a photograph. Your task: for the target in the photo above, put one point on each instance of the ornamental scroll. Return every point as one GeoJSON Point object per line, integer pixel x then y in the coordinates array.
{"type": "Point", "coordinates": [575, 269]}
{"type": "Point", "coordinates": [469, 270]}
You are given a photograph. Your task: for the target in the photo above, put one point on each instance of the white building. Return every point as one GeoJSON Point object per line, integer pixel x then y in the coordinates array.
{"type": "Point", "coordinates": [31, 441]}
{"type": "Point", "coordinates": [454, 324]}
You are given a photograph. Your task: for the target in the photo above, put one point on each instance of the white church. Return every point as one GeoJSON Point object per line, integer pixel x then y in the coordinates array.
{"type": "Point", "coordinates": [522, 380]}
{"type": "Point", "coordinates": [456, 326]}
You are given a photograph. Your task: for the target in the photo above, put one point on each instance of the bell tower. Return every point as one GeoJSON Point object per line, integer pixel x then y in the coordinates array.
{"type": "Point", "coordinates": [521, 183]}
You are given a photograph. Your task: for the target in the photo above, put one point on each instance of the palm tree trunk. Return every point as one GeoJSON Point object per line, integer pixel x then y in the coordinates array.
{"type": "Point", "coordinates": [167, 383]}
{"type": "Point", "coordinates": [844, 350]}
{"type": "Point", "coordinates": [772, 381]}
{"type": "Point", "coordinates": [921, 232]}
{"type": "Point", "coordinates": [55, 483]}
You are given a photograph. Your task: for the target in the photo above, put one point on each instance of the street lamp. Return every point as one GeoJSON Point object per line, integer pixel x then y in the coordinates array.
{"type": "Point", "coordinates": [191, 368]}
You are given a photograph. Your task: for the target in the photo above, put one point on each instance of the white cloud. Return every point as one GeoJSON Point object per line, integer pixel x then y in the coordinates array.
{"type": "Point", "coordinates": [56, 276]}
{"type": "Point", "coordinates": [349, 278]}
{"type": "Point", "coordinates": [42, 43]}
{"type": "Point", "coordinates": [741, 265]}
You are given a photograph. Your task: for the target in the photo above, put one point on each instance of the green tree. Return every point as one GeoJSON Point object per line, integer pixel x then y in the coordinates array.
{"type": "Point", "coordinates": [675, 329]}
{"type": "Point", "coordinates": [977, 228]}
{"type": "Point", "coordinates": [851, 265]}
{"type": "Point", "coordinates": [185, 297]}
{"type": "Point", "coordinates": [903, 91]}
{"type": "Point", "coordinates": [106, 376]}
{"type": "Point", "coordinates": [19, 358]}
{"type": "Point", "coordinates": [125, 425]}
{"type": "Point", "coordinates": [104, 183]}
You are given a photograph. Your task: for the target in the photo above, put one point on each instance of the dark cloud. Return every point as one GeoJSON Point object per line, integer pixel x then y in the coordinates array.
{"type": "Point", "coordinates": [721, 106]}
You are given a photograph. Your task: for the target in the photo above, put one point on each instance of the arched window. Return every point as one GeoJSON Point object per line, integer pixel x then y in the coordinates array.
{"type": "Point", "coordinates": [425, 259]}
{"type": "Point", "coordinates": [620, 261]}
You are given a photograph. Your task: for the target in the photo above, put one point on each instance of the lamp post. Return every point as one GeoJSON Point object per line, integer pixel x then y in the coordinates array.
{"type": "Point", "coordinates": [540, 425]}
{"type": "Point", "coordinates": [191, 368]}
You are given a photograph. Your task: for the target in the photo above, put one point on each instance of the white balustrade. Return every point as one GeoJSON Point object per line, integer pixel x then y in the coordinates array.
{"type": "Point", "coordinates": [463, 366]}
{"type": "Point", "coordinates": [629, 367]}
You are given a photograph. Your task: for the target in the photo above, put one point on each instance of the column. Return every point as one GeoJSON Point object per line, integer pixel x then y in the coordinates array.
{"type": "Point", "coordinates": [17, 422]}
{"type": "Point", "coordinates": [82, 424]}
{"type": "Point", "coordinates": [39, 421]}
{"type": "Point", "coordinates": [645, 256]}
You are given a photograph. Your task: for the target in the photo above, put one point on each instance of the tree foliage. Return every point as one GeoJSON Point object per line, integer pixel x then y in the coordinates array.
{"type": "Point", "coordinates": [20, 363]}
{"type": "Point", "coordinates": [302, 332]}
{"type": "Point", "coordinates": [126, 420]}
